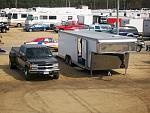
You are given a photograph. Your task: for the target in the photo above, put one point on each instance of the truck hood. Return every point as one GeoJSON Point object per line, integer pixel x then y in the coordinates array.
{"type": "Point", "coordinates": [43, 61]}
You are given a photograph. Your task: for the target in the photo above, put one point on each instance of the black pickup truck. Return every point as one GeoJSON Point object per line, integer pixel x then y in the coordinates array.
{"type": "Point", "coordinates": [34, 59]}
{"type": "Point", "coordinates": [3, 27]}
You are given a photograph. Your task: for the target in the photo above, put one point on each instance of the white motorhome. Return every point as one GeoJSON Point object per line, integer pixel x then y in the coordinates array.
{"type": "Point", "coordinates": [95, 50]}
{"type": "Point", "coordinates": [47, 18]}
{"type": "Point", "coordinates": [55, 15]}
{"type": "Point", "coordinates": [17, 18]}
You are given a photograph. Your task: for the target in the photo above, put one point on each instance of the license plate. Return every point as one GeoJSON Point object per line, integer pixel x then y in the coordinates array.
{"type": "Point", "coordinates": [46, 72]}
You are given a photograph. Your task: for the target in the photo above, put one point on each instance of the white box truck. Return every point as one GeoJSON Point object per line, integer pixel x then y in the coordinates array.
{"type": "Point", "coordinates": [95, 50]}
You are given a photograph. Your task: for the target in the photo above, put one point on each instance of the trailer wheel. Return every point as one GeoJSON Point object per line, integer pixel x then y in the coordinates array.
{"type": "Point", "coordinates": [56, 75]}
{"type": "Point", "coordinates": [109, 73]}
{"type": "Point", "coordinates": [69, 61]}
{"type": "Point", "coordinates": [27, 74]}
{"type": "Point", "coordinates": [66, 59]}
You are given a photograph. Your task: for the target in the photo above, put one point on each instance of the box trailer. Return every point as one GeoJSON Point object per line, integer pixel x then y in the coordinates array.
{"type": "Point", "coordinates": [95, 50]}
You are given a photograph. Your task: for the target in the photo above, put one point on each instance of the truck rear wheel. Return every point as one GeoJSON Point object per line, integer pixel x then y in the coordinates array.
{"type": "Point", "coordinates": [56, 75]}
{"type": "Point", "coordinates": [27, 74]}
{"type": "Point", "coordinates": [138, 48]}
{"type": "Point", "coordinates": [11, 65]}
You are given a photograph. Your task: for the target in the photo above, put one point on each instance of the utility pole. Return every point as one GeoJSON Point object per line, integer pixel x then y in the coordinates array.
{"type": "Point", "coordinates": [124, 1]}
{"type": "Point", "coordinates": [107, 4]}
{"type": "Point", "coordinates": [16, 3]}
{"type": "Point", "coordinates": [69, 2]}
{"type": "Point", "coordinates": [66, 3]}
{"type": "Point", "coordinates": [117, 17]}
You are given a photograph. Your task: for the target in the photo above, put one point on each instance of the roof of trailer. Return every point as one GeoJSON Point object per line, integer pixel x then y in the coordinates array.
{"type": "Point", "coordinates": [101, 36]}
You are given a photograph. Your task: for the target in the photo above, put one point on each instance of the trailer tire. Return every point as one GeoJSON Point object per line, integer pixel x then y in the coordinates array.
{"type": "Point", "coordinates": [27, 74]}
{"type": "Point", "coordinates": [70, 61]}
{"type": "Point", "coordinates": [56, 75]}
{"type": "Point", "coordinates": [66, 59]}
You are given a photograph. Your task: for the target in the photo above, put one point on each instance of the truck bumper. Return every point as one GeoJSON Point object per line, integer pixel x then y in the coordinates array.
{"type": "Point", "coordinates": [44, 72]}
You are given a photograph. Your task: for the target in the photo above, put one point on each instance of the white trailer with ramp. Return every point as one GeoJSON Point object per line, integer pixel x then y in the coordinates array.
{"type": "Point", "coordinates": [95, 50]}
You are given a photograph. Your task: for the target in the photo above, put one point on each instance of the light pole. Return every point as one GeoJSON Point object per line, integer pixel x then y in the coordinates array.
{"type": "Point", "coordinates": [16, 3]}
{"type": "Point", "coordinates": [66, 3]}
{"type": "Point", "coordinates": [117, 17]}
{"type": "Point", "coordinates": [107, 4]}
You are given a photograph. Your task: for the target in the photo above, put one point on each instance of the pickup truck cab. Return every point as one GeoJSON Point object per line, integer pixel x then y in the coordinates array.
{"type": "Point", "coordinates": [68, 26]}
{"type": "Point", "coordinates": [34, 59]}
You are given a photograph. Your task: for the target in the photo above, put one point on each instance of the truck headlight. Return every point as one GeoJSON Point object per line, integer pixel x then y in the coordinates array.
{"type": "Point", "coordinates": [55, 65]}
{"type": "Point", "coordinates": [33, 66]}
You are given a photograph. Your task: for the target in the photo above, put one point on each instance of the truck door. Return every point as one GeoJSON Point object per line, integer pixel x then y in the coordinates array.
{"type": "Point", "coordinates": [82, 52]}
{"type": "Point", "coordinates": [21, 57]}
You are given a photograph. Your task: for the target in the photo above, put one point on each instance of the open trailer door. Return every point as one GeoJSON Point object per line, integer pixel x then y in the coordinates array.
{"type": "Point", "coordinates": [82, 52]}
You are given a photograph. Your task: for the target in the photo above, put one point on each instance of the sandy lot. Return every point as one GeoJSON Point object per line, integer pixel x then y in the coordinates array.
{"type": "Point", "coordinates": [75, 91]}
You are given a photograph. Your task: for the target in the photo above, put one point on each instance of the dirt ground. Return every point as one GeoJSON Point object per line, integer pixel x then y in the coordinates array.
{"type": "Point", "coordinates": [75, 91]}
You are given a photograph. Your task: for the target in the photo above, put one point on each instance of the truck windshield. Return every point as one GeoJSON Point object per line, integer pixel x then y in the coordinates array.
{"type": "Point", "coordinates": [38, 52]}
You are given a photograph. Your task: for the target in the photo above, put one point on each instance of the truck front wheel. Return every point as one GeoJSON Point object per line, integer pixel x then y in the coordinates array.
{"type": "Point", "coordinates": [56, 75]}
{"type": "Point", "coordinates": [27, 74]}
{"type": "Point", "coordinates": [3, 30]}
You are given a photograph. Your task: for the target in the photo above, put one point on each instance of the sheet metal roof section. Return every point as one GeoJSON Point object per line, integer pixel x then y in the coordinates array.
{"type": "Point", "coordinates": [101, 36]}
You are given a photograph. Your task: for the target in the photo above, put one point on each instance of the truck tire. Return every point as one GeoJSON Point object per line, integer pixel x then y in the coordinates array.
{"type": "Point", "coordinates": [27, 74]}
{"type": "Point", "coordinates": [56, 75]}
{"type": "Point", "coordinates": [44, 29]}
{"type": "Point", "coordinates": [138, 48]}
{"type": "Point", "coordinates": [61, 29]}
{"type": "Point", "coordinates": [12, 65]}
{"type": "Point", "coordinates": [3, 30]}
{"type": "Point", "coordinates": [30, 30]}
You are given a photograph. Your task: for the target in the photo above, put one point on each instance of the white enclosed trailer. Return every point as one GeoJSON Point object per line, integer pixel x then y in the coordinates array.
{"type": "Point", "coordinates": [95, 50]}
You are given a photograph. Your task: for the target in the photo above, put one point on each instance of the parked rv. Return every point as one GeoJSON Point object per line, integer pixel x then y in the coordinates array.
{"type": "Point", "coordinates": [17, 18]}
{"type": "Point", "coordinates": [3, 18]}
{"type": "Point", "coordinates": [95, 50]}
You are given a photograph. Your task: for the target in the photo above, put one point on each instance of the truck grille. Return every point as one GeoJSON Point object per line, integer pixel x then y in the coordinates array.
{"type": "Point", "coordinates": [45, 67]}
